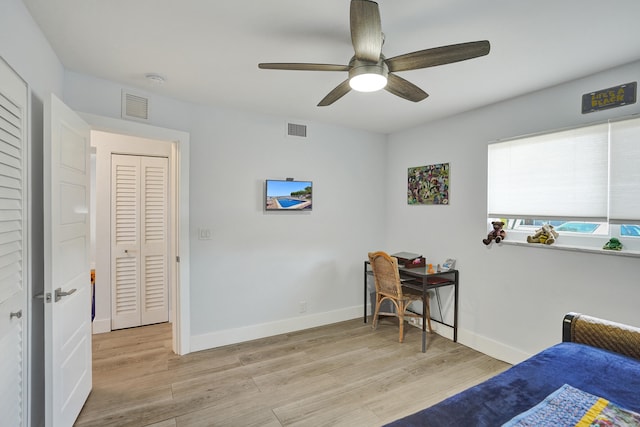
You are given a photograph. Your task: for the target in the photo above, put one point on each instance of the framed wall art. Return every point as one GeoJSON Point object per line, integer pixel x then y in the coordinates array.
{"type": "Point", "coordinates": [428, 185]}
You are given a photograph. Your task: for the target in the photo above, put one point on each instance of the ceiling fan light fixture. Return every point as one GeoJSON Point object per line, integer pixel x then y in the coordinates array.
{"type": "Point", "coordinates": [368, 82]}
{"type": "Point", "coordinates": [368, 77]}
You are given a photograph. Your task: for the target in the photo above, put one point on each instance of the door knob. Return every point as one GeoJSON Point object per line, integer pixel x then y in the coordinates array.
{"type": "Point", "coordinates": [59, 293]}
{"type": "Point", "coordinates": [16, 314]}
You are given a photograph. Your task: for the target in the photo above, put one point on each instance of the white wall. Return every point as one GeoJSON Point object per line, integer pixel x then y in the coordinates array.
{"type": "Point", "coordinates": [512, 298]}
{"type": "Point", "coordinates": [25, 48]}
{"type": "Point", "coordinates": [259, 266]}
{"type": "Point", "coordinates": [249, 279]}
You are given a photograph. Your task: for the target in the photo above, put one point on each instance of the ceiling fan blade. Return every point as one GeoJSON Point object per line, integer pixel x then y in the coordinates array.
{"type": "Point", "coordinates": [366, 30]}
{"type": "Point", "coordinates": [438, 56]}
{"type": "Point", "coordinates": [341, 90]}
{"type": "Point", "coordinates": [404, 89]}
{"type": "Point", "coordinates": [302, 66]}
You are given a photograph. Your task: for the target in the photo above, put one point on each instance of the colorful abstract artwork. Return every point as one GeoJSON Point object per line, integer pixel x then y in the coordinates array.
{"type": "Point", "coordinates": [428, 185]}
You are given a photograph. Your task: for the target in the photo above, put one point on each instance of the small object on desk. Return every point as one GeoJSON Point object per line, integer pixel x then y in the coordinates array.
{"type": "Point", "coordinates": [449, 264]}
{"type": "Point", "coordinates": [438, 268]}
{"type": "Point", "coordinates": [430, 269]}
{"type": "Point", "coordinates": [410, 260]}
{"type": "Point", "coordinates": [416, 263]}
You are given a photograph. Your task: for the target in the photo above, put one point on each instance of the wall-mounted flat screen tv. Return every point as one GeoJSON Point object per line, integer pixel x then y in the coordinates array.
{"type": "Point", "coordinates": [287, 195]}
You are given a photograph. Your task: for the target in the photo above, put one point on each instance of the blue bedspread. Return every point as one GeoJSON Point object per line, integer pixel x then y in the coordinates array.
{"type": "Point", "coordinates": [497, 400]}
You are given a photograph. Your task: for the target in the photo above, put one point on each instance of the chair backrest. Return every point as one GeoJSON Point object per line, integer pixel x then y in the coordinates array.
{"type": "Point", "coordinates": [385, 274]}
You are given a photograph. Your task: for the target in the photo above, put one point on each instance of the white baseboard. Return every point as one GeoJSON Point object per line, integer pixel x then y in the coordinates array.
{"type": "Point", "coordinates": [480, 343]}
{"type": "Point", "coordinates": [442, 330]}
{"type": "Point", "coordinates": [263, 330]}
{"type": "Point", "coordinates": [491, 347]}
{"type": "Point", "coordinates": [101, 326]}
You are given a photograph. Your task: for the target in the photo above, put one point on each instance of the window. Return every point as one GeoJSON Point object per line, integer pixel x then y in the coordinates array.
{"type": "Point", "coordinates": [584, 181]}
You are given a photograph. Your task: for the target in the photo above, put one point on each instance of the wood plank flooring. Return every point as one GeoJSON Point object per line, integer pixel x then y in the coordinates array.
{"type": "Point", "coordinates": [345, 374]}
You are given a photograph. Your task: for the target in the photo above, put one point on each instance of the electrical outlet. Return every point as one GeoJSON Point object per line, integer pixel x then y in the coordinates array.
{"type": "Point", "coordinates": [204, 234]}
{"type": "Point", "coordinates": [303, 306]}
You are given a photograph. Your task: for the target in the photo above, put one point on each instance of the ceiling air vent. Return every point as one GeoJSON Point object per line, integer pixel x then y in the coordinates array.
{"type": "Point", "coordinates": [135, 107]}
{"type": "Point", "coordinates": [296, 130]}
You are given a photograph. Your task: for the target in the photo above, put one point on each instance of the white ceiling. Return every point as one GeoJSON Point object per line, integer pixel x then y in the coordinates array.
{"type": "Point", "coordinates": [208, 50]}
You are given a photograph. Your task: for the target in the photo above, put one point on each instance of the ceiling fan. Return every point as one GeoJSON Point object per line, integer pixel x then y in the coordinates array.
{"type": "Point", "coordinates": [369, 70]}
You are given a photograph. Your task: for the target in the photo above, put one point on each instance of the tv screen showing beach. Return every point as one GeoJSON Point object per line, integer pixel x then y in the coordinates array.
{"type": "Point", "coordinates": [288, 195]}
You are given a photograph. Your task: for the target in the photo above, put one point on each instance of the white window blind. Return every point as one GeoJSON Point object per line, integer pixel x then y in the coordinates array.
{"type": "Point", "coordinates": [625, 172]}
{"type": "Point", "coordinates": [561, 175]}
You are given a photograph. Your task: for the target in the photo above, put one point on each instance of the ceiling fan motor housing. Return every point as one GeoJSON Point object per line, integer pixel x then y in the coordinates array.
{"type": "Point", "coordinates": [371, 69]}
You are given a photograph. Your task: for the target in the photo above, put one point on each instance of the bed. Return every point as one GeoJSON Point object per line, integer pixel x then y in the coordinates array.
{"type": "Point", "coordinates": [597, 361]}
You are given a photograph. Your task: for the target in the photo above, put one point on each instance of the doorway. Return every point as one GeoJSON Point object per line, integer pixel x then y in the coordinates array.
{"type": "Point", "coordinates": [107, 144]}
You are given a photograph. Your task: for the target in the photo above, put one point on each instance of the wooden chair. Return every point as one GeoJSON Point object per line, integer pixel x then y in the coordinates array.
{"type": "Point", "coordinates": [389, 287]}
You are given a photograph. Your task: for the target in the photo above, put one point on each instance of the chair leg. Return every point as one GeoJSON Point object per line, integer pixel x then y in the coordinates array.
{"type": "Point", "coordinates": [376, 311]}
{"type": "Point", "coordinates": [400, 308]}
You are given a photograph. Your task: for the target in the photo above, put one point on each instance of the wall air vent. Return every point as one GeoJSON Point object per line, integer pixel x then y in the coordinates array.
{"type": "Point", "coordinates": [296, 130]}
{"type": "Point", "coordinates": [135, 107]}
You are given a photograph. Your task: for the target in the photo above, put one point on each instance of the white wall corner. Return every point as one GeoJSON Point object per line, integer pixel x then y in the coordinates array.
{"type": "Point", "coordinates": [491, 347]}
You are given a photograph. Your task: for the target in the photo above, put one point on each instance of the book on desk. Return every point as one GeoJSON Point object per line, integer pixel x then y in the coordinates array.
{"type": "Point", "coordinates": [417, 283]}
{"type": "Point", "coordinates": [436, 280]}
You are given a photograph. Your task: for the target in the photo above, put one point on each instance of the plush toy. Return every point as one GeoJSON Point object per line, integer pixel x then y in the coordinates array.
{"type": "Point", "coordinates": [613, 245]}
{"type": "Point", "coordinates": [546, 235]}
{"type": "Point", "coordinates": [497, 234]}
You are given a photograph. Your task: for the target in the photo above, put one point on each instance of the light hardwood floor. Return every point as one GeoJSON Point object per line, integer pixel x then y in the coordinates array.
{"type": "Point", "coordinates": [345, 374]}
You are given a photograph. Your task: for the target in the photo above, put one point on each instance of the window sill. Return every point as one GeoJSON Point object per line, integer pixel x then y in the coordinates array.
{"type": "Point", "coordinates": [555, 246]}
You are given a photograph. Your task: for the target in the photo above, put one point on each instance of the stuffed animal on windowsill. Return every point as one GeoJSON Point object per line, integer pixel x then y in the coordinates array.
{"type": "Point", "coordinates": [545, 235]}
{"type": "Point", "coordinates": [496, 234]}
{"type": "Point", "coordinates": [613, 245]}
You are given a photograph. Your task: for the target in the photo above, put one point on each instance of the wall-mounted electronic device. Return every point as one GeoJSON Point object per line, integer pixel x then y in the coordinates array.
{"type": "Point", "coordinates": [288, 195]}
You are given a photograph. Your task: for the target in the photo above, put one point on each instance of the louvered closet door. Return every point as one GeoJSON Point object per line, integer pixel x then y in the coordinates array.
{"type": "Point", "coordinates": [13, 313]}
{"type": "Point", "coordinates": [154, 244]}
{"type": "Point", "coordinates": [139, 223]}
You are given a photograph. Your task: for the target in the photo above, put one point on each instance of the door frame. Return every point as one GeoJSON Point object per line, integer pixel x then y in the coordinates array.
{"type": "Point", "coordinates": [179, 214]}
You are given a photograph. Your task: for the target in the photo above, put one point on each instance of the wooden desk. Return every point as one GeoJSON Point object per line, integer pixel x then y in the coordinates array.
{"type": "Point", "coordinates": [423, 281]}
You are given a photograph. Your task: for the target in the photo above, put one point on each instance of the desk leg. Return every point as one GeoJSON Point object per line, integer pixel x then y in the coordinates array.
{"type": "Point", "coordinates": [455, 306]}
{"type": "Point", "coordinates": [424, 316]}
{"type": "Point", "coordinates": [365, 292]}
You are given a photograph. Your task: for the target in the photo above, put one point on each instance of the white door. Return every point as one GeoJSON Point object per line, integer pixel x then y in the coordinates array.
{"type": "Point", "coordinates": [67, 284]}
{"type": "Point", "coordinates": [13, 243]}
{"type": "Point", "coordinates": [139, 241]}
